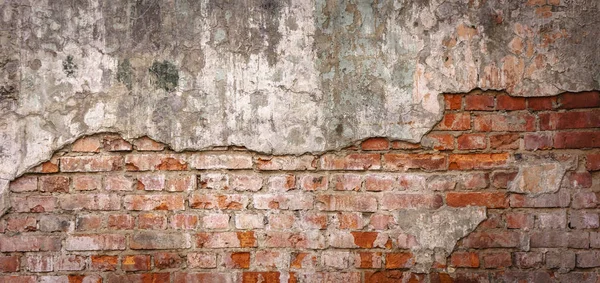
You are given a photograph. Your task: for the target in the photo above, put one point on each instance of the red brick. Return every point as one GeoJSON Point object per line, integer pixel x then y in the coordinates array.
{"type": "Point", "coordinates": [303, 260]}
{"type": "Point", "coordinates": [147, 144]}
{"type": "Point", "coordinates": [205, 201]}
{"type": "Point", "coordinates": [477, 161]}
{"type": "Point", "coordinates": [500, 179]}
{"type": "Point", "coordinates": [479, 102]}
{"type": "Point", "coordinates": [247, 182]}
{"type": "Point", "coordinates": [395, 201]}
{"type": "Point", "coordinates": [136, 263]}
{"type": "Point", "coordinates": [493, 239]}
{"type": "Point", "coordinates": [281, 183]}
{"type": "Point", "coordinates": [570, 120]}
{"type": "Point", "coordinates": [249, 221]}
{"type": "Point", "coordinates": [504, 141]}
{"type": "Point", "coordinates": [505, 102]}
{"type": "Point", "coordinates": [18, 279]}
{"type": "Point", "coordinates": [577, 139]}
{"type": "Point", "coordinates": [89, 222]}
{"type": "Point", "coordinates": [104, 262]}
{"type": "Point", "coordinates": [151, 162]}
{"type": "Point", "coordinates": [237, 260]}
{"type": "Point", "coordinates": [181, 183]}
{"type": "Point", "coordinates": [578, 180]}
{"type": "Point", "coordinates": [69, 263]}
{"type": "Point", "coordinates": [90, 202]}
{"type": "Point", "coordinates": [283, 201]}
{"type": "Point", "coordinates": [497, 260]}
{"type": "Point", "coordinates": [34, 203]}
{"type": "Point", "coordinates": [151, 182]}
{"type": "Point", "coordinates": [487, 199]}
{"type": "Point", "coordinates": [347, 182]}
{"type": "Point", "coordinates": [404, 145]}
{"type": "Point", "coordinates": [121, 222]}
{"type": "Point", "coordinates": [454, 122]}
{"type": "Point", "coordinates": [519, 220]}
{"type": "Point", "coordinates": [167, 260]}
{"type": "Point", "coordinates": [506, 122]}
{"type": "Point", "coordinates": [202, 260]}
{"type": "Point", "coordinates": [237, 160]}
{"type": "Point", "coordinates": [308, 240]}
{"type": "Point", "coordinates": [215, 221]}
{"type": "Point", "coordinates": [364, 240]}
{"type": "Point", "coordinates": [87, 144]}
{"type": "Point", "coordinates": [403, 162]}
{"type": "Point", "coordinates": [118, 183]}
{"type": "Point", "coordinates": [583, 199]}
{"type": "Point", "coordinates": [399, 260]}
{"type": "Point", "coordinates": [226, 240]}
{"type": "Point", "coordinates": [54, 184]}
{"type": "Point", "coordinates": [91, 163]}
{"type": "Point", "coordinates": [24, 184]}
{"type": "Point", "coordinates": [592, 161]}
{"type": "Point", "coordinates": [471, 141]}
{"type": "Point", "coordinates": [152, 221]}
{"type": "Point", "coordinates": [184, 221]}
{"type": "Point", "coordinates": [313, 220]}
{"type": "Point", "coordinates": [391, 276]}
{"type": "Point", "coordinates": [350, 220]}
{"type": "Point", "coordinates": [561, 199]}
{"type": "Point", "coordinates": [29, 243]}
{"type": "Point", "coordinates": [587, 99]}
{"type": "Point", "coordinates": [115, 143]}
{"type": "Point", "coordinates": [271, 259]}
{"type": "Point", "coordinates": [535, 141]}
{"type": "Point", "coordinates": [381, 221]}
{"type": "Point", "coordinates": [50, 166]}
{"type": "Point", "coordinates": [541, 103]}
{"type": "Point", "coordinates": [155, 240]}
{"type": "Point", "coordinates": [9, 263]}
{"type": "Point", "coordinates": [464, 259]}
{"type": "Point", "coordinates": [153, 202]}
{"type": "Point", "coordinates": [350, 202]}
{"type": "Point", "coordinates": [559, 239]}
{"type": "Point", "coordinates": [310, 182]}
{"type": "Point", "coordinates": [95, 242]}
{"type": "Point", "coordinates": [453, 101]}
{"type": "Point", "coordinates": [438, 141]}
{"type": "Point", "coordinates": [353, 161]}
{"type": "Point", "coordinates": [87, 183]}
{"type": "Point", "coordinates": [21, 223]}
{"type": "Point", "coordinates": [40, 263]}
{"type": "Point", "coordinates": [588, 259]}
{"type": "Point", "coordinates": [138, 278]}
{"type": "Point", "coordinates": [368, 260]}
{"type": "Point", "coordinates": [258, 277]}
{"type": "Point", "coordinates": [584, 220]}
{"type": "Point", "coordinates": [375, 144]}
{"type": "Point", "coordinates": [305, 162]}
{"type": "Point", "coordinates": [380, 182]}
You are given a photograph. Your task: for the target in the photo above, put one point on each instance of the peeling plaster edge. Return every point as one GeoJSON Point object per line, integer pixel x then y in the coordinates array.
{"type": "Point", "coordinates": [4, 197]}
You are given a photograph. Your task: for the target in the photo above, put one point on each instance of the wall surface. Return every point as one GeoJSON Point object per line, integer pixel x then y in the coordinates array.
{"type": "Point", "coordinates": [299, 141]}
{"type": "Point", "coordinates": [502, 189]}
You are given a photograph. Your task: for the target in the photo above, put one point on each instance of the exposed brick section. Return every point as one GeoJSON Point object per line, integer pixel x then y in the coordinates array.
{"type": "Point", "coordinates": [109, 210]}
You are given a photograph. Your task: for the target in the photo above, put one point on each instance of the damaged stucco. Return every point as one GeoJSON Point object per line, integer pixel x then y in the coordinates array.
{"type": "Point", "coordinates": [281, 77]}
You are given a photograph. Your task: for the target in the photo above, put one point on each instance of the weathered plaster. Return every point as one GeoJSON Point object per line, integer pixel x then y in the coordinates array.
{"type": "Point", "coordinates": [273, 76]}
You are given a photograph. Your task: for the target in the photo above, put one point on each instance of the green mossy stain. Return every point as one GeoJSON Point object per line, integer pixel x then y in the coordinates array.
{"type": "Point", "coordinates": [69, 66]}
{"type": "Point", "coordinates": [124, 73]}
{"type": "Point", "coordinates": [167, 75]}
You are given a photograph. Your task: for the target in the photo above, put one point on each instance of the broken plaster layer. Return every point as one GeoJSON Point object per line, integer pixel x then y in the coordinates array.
{"type": "Point", "coordinates": [282, 77]}
{"type": "Point", "coordinates": [536, 179]}
{"type": "Point", "coordinates": [438, 231]}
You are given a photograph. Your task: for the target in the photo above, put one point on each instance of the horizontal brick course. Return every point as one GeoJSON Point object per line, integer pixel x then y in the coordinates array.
{"type": "Point", "coordinates": [106, 209]}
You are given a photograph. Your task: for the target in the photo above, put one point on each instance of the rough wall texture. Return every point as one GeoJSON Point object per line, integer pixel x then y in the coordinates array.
{"type": "Point", "coordinates": [503, 189]}
{"type": "Point", "coordinates": [284, 77]}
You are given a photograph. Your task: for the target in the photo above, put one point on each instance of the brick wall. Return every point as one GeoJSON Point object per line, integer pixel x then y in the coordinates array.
{"type": "Point", "coordinates": [108, 210]}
